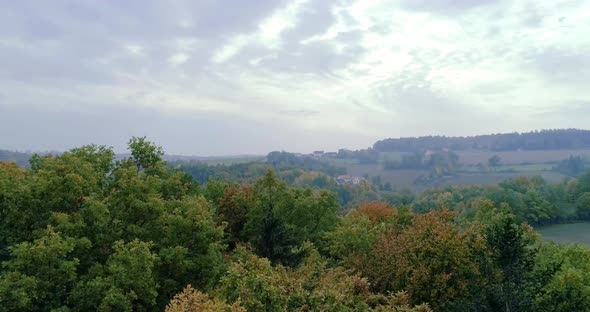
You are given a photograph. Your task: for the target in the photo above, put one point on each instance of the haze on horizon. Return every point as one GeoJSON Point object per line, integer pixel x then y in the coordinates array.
{"type": "Point", "coordinates": [217, 78]}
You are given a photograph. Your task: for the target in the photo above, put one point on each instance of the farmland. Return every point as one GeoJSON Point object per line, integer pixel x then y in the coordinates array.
{"type": "Point", "coordinates": [513, 164]}
{"type": "Point", "coordinates": [567, 233]}
{"type": "Point", "coordinates": [520, 157]}
{"type": "Point", "coordinates": [404, 179]}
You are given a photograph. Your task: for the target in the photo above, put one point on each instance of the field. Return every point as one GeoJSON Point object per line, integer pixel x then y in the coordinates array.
{"type": "Point", "coordinates": [399, 179]}
{"type": "Point", "coordinates": [510, 168]}
{"type": "Point", "coordinates": [391, 156]}
{"type": "Point", "coordinates": [404, 179]}
{"type": "Point", "coordinates": [520, 157]}
{"type": "Point", "coordinates": [514, 164]}
{"type": "Point", "coordinates": [567, 233]}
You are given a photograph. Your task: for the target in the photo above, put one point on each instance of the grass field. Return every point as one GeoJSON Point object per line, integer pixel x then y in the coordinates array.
{"type": "Point", "coordinates": [519, 157]}
{"type": "Point", "coordinates": [511, 168]}
{"type": "Point", "coordinates": [495, 178]}
{"type": "Point", "coordinates": [404, 179]}
{"type": "Point", "coordinates": [567, 233]}
{"type": "Point", "coordinates": [391, 156]}
{"type": "Point", "coordinates": [399, 179]}
{"type": "Point", "coordinates": [513, 164]}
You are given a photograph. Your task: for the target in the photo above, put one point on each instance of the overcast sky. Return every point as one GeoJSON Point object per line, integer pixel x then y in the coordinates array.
{"type": "Point", "coordinates": [219, 77]}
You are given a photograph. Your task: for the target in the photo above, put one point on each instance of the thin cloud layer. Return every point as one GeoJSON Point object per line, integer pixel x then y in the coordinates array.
{"type": "Point", "coordinates": [218, 77]}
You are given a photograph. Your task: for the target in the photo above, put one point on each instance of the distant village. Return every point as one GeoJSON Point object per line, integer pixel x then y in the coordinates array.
{"type": "Point", "coordinates": [341, 179]}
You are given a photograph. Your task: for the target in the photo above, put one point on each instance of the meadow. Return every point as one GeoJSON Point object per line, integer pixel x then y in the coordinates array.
{"type": "Point", "coordinates": [520, 157]}
{"type": "Point", "coordinates": [513, 164]}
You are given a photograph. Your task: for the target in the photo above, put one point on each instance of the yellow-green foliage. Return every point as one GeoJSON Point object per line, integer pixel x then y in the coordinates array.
{"type": "Point", "coordinates": [191, 300]}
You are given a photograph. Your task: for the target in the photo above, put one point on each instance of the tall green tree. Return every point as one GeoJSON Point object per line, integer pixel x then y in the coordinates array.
{"type": "Point", "coordinates": [513, 250]}
{"type": "Point", "coordinates": [144, 153]}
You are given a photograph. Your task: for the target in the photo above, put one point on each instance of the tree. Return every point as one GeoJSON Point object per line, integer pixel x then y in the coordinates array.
{"type": "Point", "coordinates": [125, 283]}
{"type": "Point", "coordinates": [40, 274]}
{"type": "Point", "coordinates": [233, 210]}
{"type": "Point", "coordinates": [432, 259]}
{"type": "Point", "coordinates": [583, 206]}
{"type": "Point", "coordinates": [189, 246]}
{"type": "Point", "coordinates": [513, 253]}
{"type": "Point", "coordinates": [265, 230]}
{"type": "Point", "coordinates": [283, 218]}
{"type": "Point", "coordinates": [573, 166]}
{"type": "Point", "coordinates": [564, 275]}
{"type": "Point", "coordinates": [191, 300]}
{"type": "Point", "coordinates": [494, 161]}
{"type": "Point", "coordinates": [14, 218]}
{"type": "Point", "coordinates": [145, 153]}
{"type": "Point", "coordinates": [254, 283]}
{"type": "Point", "coordinates": [313, 286]}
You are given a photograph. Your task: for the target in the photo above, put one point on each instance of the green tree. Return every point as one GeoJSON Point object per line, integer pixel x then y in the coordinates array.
{"type": "Point", "coordinates": [191, 300]}
{"type": "Point", "coordinates": [494, 161]}
{"type": "Point", "coordinates": [583, 206]}
{"type": "Point", "coordinates": [513, 251]}
{"type": "Point", "coordinates": [40, 275]}
{"type": "Point", "coordinates": [283, 218]}
{"type": "Point", "coordinates": [189, 246]}
{"type": "Point", "coordinates": [125, 283]}
{"type": "Point", "coordinates": [254, 283]}
{"type": "Point", "coordinates": [145, 153]}
{"type": "Point", "coordinates": [563, 273]}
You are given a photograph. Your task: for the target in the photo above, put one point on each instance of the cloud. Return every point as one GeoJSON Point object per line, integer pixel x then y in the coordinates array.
{"type": "Point", "coordinates": [563, 65]}
{"type": "Point", "coordinates": [445, 6]}
{"type": "Point", "coordinates": [287, 74]}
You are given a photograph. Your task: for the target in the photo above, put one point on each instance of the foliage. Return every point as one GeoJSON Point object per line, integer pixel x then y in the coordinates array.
{"type": "Point", "coordinates": [256, 285]}
{"type": "Point", "coordinates": [568, 283]}
{"type": "Point", "coordinates": [572, 167]}
{"type": "Point", "coordinates": [145, 154]}
{"type": "Point", "coordinates": [191, 300]}
{"type": "Point", "coordinates": [82, 231]}
{"type": "Point", "coordinates": [537, 140]}
{"type": "Point", "coordinates": [494, 161]}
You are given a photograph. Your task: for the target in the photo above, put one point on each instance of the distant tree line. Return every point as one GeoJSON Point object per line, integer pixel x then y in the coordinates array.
{"type": "Point", "coordinates": [439, 162]}
{"type": "Point", "coordinates": [536, 140]}
{"type": "Point", "coordinates": [289, 166]}
{"type": "Point", "coordinates": [292, 169]}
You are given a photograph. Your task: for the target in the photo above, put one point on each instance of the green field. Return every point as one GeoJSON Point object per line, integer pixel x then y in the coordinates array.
{"type": "Point", "coordinates": [404, 179]}
{"type": "Point", "coordinates": [567, 233]}
{"type": "Point", "coordinates": [519, 157]}
{"type": "Point", "coordinates": [391, 156]}
{"type": "Point", "coordinates": [511, 168]}
{"type": "Point", "coordinates": [399, 179]}
{"type": "Point", "coordinates": [513, 164]}
{"type": "Point", "coordinates": [492, 178]}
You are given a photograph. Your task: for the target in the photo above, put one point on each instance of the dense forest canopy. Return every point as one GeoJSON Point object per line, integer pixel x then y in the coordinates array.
{"type": "Point", "coordinates": [84, 231]}
{"type": "Point", "coordinates": [536, 140]}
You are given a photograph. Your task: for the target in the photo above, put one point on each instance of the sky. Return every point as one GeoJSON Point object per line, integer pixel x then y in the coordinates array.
{"type": "Point", "coordinates": [223, 77]}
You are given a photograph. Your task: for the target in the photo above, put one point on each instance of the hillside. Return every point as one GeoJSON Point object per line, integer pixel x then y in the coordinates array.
{"type": "Point", "coordinates": [537, 140]}
{"type": "Point", "coordinates": [21, 159]}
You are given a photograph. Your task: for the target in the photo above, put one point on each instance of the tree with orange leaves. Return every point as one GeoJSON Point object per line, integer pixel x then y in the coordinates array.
{"type": "Point", "coordinates": [433, 260]}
